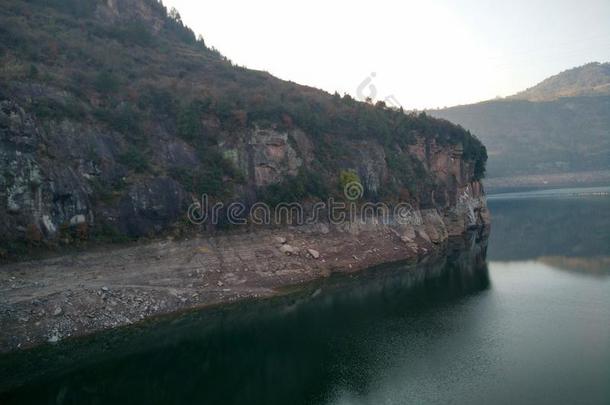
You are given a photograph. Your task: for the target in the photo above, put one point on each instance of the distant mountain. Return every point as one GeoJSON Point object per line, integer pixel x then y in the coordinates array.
{"type": "Point", "coordinates": [587, 80]}
{"type": "Point", "coordinates": [563, 136]}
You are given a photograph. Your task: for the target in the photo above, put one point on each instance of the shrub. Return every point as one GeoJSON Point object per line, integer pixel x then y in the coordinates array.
{"type": "Point", "coordinates": [135, 33]}
{"type": "Point", "coordinates": [125, 119]}
{"type": "Point", "coordinates": [306, 184]}
{"type": "Point", "coordinates": [105, 232]}
{"type": "Point", "coordinates": [158, 100]}
{"type": "Point", "coordinates": [215, 177]}
{"type": "Point", "coordinates": [189, 122]}
{"type": "Point", "coordinates": [106, 83]}
{"type": "Point", "coordinates": [134, 159]}
{"type": "Point", "coordinates": [50, 109]}
{"type": "Point", "coordinates": [33, 73]}
{"type": "Point", "coordinates": [347, 177]}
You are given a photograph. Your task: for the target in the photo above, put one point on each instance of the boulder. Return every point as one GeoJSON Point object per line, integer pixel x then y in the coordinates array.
{"type": "Point", "coordinates": [280, 240]}
{"type": "Point", "coordinates": [422, 234]}
{"type": "Point", "coordinates": [314, 253]}
{"type": "Point", "coordinates": [289, 250]}
{"type": "Point", "coordinates": [406, 239]}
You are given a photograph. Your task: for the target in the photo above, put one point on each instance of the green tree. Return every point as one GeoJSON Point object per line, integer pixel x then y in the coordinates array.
{"type": "Point", "coordinates": [347, 178]}
{"type": "Point", "coordinates": [189, 122]}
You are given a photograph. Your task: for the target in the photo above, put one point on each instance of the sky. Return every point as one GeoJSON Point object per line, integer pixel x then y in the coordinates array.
{"type": "Point", "coordinates": [415, 53]}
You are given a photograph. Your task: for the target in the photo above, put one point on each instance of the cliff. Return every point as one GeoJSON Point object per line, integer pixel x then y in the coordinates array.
{"type": "Point", "coordinates": [114, 119]}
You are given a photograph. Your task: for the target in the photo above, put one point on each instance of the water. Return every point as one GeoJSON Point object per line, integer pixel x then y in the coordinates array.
{"type": "Point", "coordinates": [531, 324]}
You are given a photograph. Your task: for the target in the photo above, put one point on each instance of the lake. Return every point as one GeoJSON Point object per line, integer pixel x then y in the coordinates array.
{"type": "Point", "coordinates": [521, 317]}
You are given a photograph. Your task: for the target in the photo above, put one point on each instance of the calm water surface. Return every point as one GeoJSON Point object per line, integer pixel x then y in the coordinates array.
{"type": "Point", "coordinates": [524, 318]}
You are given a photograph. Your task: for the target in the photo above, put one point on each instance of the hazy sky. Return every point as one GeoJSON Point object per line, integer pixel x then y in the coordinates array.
{"type": "Point", "coordinates": [424, 53]}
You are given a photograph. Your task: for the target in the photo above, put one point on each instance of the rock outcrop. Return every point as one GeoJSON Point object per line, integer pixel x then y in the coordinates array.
{"type": "Point", "coordinates": [52, 174]}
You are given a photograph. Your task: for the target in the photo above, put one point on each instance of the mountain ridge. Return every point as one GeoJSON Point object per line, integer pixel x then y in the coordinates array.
{"type": "Point", "coordinates": [590, 79]}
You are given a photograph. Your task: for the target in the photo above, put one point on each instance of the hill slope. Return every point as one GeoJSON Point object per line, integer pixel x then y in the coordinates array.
{"type": "Point", "coordinates": [587, 80]}
{"type": "Point", "coordinates": [114, 118]}
{"type": "Point", "coordinates": [561, 136]}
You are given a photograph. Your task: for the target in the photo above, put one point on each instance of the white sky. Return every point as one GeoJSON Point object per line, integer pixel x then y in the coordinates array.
{"type": "Point", "coordinates": [426, 54]}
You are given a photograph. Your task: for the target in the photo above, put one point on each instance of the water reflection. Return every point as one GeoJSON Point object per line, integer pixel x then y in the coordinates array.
{"type": "Point", "coordinates": [525, 229]}
{"type": "Point", "coordinates": [336, 337]}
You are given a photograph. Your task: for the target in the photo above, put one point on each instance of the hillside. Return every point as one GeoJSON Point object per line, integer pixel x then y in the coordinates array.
{"type": "Point", "coordinates": [563, 136]}
{"type": "Point", "coordinates": [592, 79]}
{"type": "Point", "coordinates": [114, 118]}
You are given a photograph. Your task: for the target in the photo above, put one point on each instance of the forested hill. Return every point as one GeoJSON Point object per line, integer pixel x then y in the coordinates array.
{"type": "Point", "coordinates": [592, 79]}
{"type": "Point", "coordinates": [113, 116]}
{"type": "Point", "coordinates": [559, 127]}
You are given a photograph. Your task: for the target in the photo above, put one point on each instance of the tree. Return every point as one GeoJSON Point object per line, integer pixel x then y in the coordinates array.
{"type": "Point", "coordinates": [189, 122]}
{"type": "Point", "coordinates": [351, 184]}
{"type": "Point", "coordinates": [175, 15]}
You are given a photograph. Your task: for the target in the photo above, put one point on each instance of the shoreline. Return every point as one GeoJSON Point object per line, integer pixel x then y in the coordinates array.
{"type": "Point", "coordinates": [50, 300]}
{"type": "Point", "coordinates": [163, 331]}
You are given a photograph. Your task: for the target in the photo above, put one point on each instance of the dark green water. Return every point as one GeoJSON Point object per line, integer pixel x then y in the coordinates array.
{"type": "Point", "coordinates": [516, 321]}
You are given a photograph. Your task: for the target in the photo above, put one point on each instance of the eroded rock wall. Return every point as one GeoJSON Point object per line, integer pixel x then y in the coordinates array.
{"type": "Point", "coordinates": [66, 176]}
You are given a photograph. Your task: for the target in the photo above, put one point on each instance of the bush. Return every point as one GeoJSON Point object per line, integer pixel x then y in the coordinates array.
{"type": "Point", "coordinates": [49, 109]}
{"type": "Point", "coordinates": [158, 100]}
{"type": "Point", "coordinates": [215, 177]}
{"type": "Point", "coordinates": [135, 159]}
{"type": "Point", "coordinates": [76, 8]}
{"type": "Point", "coordinates": [106, 83]}
{"type": "Point", "coordinates": [189, 122]}
{"type": "Point", "coordinates": [306, 184]}
{"type": "Point", "coordinates": [124, 119]}
{"type": "Point", "coordinates": [107, 233]}
{"type": "Point", "coordinates": [135, 33]}
{"type": "Point", "coordinates": [347, 177]}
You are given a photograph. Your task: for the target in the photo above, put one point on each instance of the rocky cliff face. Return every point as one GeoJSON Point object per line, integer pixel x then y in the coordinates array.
{"type": "Point", "coordinates": [112, 135]}
{"type": "Point", "coordinates": [51, 173]}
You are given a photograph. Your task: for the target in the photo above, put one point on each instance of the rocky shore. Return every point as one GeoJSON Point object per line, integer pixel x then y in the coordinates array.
{"type": "Point", "coordinates": [55, 299]}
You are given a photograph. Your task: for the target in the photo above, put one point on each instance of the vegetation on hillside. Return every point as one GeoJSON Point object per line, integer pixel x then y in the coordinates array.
{"type": "Point", "coordinates": [552, 137]}
{"type": "Point", "coordinates": [592, 79]}
{"type": "Point", "coordinates": [151, 71]}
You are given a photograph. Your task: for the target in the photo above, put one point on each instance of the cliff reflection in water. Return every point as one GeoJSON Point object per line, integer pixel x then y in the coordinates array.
{"type": "Point", "coordinates": [295, 349]}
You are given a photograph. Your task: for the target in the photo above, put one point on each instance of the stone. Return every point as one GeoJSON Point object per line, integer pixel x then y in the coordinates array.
{"type": "Point", "coordinates": [54, 338]}
{"type": "Point", "coordinates": [58, 311]}
{"type": "Point", "coordinates": [289, 250]}
{"type": "Point", "coordinates": [409, 233]}
{"type": "Point", "coordinates": [280, 240]}
{"type": "Point", "coordinates": [424, 236]}
{"type": "Point", "coordinates": [314, 253]}
{"type": "Point", "coordinates": [48, 224]}
{"type": "Point", "coordinates": [77, 220]}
